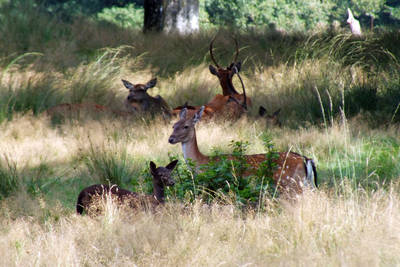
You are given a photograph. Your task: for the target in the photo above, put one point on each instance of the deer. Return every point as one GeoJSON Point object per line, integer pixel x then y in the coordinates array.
{"type": "Point", "coordinates": [354, 24]}
{"type": "Point", "coordinates": [139, 101]}
{"type": "Point", "coordinates": [90, 195]}
{"type": "Point", "coordinates": [271, 120]}
{"type": "Point", "coordinates": [74, 110]}
{"type": "Point", "coordinates": [293, 171]}
{"type": "Point", "coordinates": [230, 104]}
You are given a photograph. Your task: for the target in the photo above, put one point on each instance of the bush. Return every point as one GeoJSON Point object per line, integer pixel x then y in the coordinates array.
{"type": "Point", "coordinates": [224, 178]}
{"type": "Point", "coordinates": [125, 17]}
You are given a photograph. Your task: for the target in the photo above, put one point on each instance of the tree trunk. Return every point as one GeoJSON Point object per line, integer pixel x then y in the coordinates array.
{"type": "Point", "coordinates": [372, 23]}
{"type": "Point", "coordinates": [181, 16]}
{"type": "Point", "coordinates": [153, 15]}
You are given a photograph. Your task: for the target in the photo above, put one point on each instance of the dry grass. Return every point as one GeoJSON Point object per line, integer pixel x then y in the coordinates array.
{"type": "Point", "coordinates": [317, 230]}
{"type": "Point", "coordinates": [341, 224]}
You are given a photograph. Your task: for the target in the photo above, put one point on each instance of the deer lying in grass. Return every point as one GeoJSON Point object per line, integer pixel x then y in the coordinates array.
{"type": "Point", "coordinates": [230, 104]}
{"type": "Point", "coordinates": [75, 110]}
{"type": "Point", "coordinates": [88, 197]}
{"type": "Point", "coordinates": [292, 173]}
{"type": "Point", "coordinates": [271, 120]}
{"type": "Point", "coordinates": [139, 101]}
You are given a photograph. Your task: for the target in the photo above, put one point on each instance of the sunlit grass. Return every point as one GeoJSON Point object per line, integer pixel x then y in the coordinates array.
{"type": "Point", "coordinates": [358, 229]}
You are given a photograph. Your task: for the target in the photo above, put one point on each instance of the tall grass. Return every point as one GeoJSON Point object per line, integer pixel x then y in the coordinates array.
{"type": "Point", "coordinates": [340, 106]}
{"type": "Point", "coordinates": [9, 178]}
{"type": "Point", "coordinates": [355, 230]}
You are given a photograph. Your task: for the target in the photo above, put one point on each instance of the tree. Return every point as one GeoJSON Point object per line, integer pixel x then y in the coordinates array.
{"type": "Point", "coordinates": [180, 16]}
{"type": "Point", "coordinates": [153, 15]}
{"type": "Point", "coordinates": [371, 8]}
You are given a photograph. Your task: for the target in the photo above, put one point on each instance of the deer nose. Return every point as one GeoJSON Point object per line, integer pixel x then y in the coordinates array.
{"type": "Point", "coordinates": [171, 140]}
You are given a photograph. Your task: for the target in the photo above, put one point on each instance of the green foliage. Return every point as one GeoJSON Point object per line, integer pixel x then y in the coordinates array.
{"type": "Point", "coordinates": [224, 177]}
{"type": "Point", "coordinates": [24, 28]}
{"type": "Point", "coordinates": [9, 178]}
{"type": "Point", "coordinates": [368, 7]}
{"type": "Point", "coordinates": [129, 16]}
{"type": "Point", "coordinates": [280, 14]}
{"type": "Point", "coordinates": [68, 8]}
{"type": "Point", "coordinates": [393, 11]}
{"type": "Point", "coordinates": [290, 15]}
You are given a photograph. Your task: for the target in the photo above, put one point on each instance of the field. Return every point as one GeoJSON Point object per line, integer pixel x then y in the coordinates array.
{"type": "Point", "coordinates": [339, 98]}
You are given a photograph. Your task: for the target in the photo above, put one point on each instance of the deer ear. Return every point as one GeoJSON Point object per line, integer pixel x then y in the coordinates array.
{"type": "Point", "coordinates": [127, 84]}
{"type": "Point", "coordinates": [262, 111]}
{"type": "Point", "coordinates": [151, 83]}
{"type": "Point", "coordinates": [198, 114]}
{"type": "Point", "coordinates": [171, 165]}
{"type": "Point", "coordinates": [182, 114]}
{"type": "Point", "coordinates": [153, 167]}
{"type": "Point", "coordinates": [213, 70]}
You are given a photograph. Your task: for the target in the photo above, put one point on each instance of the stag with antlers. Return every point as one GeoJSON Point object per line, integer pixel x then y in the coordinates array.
{"type": "Point", "coordinates": [230, 104]}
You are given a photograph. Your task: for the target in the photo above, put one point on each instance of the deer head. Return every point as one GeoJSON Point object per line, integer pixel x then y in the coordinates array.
{"type": "Point", "coordinates": [138, 92]}
{"type": "Point", "coordinates": [162, 175]}
{"type": "Point", "coordinates": [225, 75]}
{"type": "Point", "coordinates": [271, 120]}
{"type": "Point", "coordinates": [184, 130]}
{"type": "Point", "coordinates": [138, 99]}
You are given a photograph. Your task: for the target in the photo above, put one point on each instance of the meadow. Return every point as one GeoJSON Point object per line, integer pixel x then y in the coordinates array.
{"type": "Point", "coordinates": [339, 98]}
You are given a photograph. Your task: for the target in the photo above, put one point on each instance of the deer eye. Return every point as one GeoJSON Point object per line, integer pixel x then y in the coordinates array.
{"type": "Point", "coordinates": [186, 127]}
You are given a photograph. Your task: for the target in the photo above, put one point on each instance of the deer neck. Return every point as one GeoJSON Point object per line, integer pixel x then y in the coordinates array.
{"type": "Point", "coordinates": [191, 151]}
{"type": "Point", "coordinates": [158, 192]}
{"type": "Point", "coordinates": [228, 88]}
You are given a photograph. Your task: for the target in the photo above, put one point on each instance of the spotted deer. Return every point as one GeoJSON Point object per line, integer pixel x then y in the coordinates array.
{"type": "Point", "coordinates": [88, 197]}
{"type": "Point", "coordinates": [230, 104]}
{"type": "Point", "coordinates": [140, 102]}
{"type": "Point", "coordinates": [292, 173]}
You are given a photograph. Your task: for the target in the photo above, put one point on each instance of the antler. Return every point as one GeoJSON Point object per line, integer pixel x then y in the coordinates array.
{"type": "Point", "coordinates": [211, 52]}
{"type": "Point", "coordinates": [244, 90]}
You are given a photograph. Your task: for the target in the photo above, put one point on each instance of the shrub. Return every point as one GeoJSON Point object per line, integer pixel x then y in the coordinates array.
{"type": "Point", "coordinates": [224, 178]}
{"type": "Point", "coordinates": [126, 17]}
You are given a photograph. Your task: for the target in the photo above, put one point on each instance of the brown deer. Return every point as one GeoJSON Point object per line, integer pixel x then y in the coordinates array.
{"type": "Point", "coordinates": [225, 76]}
{"type": "Point", "coordinates": [161, 177]}
{"type": "Point", "coordinates": [271, 120]}
{"type": "Point", "coordinates": [139, 101]}
{"type": "Point", "coordinates": [292, 173]}
{"type": "Point", "coordinates": [75, 110]}
{"type": "Point", "coordinates": [230, 104]}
